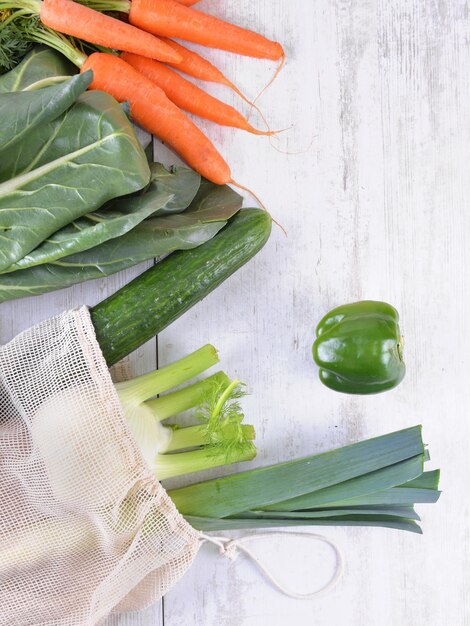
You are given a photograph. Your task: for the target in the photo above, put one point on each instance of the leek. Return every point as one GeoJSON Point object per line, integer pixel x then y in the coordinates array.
{"type": "Point", "coordinates": [371, 483]}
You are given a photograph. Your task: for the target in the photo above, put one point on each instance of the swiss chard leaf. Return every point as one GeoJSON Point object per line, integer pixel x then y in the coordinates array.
{"type": "Point", "coordinates": [180, 182]}
{"type": "Point", "coordinates": [153, 237]}
{"type": "Point", "coordinates": [91, 156]}
{"type": "Point", "coordinates": [117, 217]}
{"type": "Point", "coordinates": [22, 112]}
{"type": "Point", "coordinates": [42, 62]}
{"type": "Point", "coordinates": [91, 230]}
{"type": "Point", "coordinates": [215, 200]}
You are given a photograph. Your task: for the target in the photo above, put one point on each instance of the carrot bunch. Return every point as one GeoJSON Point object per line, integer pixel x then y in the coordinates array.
{"type": "Point", "coordinates": [142, 74]}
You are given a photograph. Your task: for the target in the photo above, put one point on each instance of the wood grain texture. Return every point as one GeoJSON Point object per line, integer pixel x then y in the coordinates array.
{"type": "Point", "coordinates": [375, 207]}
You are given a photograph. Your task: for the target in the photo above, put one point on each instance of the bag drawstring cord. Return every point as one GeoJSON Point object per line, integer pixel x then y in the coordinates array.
{"type": "Point", "coordinates": [231, 548]}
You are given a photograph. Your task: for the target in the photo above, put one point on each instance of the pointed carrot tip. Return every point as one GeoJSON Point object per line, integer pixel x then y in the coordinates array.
{"type": "Point", "coordinates": [175, 59]}
{"type": "Point", "coordinates": [250, 191]}
{"type": "Point", "coordinates": [260, 133]}
{"type": "Point", "coordinates": [262, 205]}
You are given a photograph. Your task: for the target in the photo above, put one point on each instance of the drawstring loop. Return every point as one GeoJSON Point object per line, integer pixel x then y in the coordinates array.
{"type": "Point", "coordinates": [231, 548]}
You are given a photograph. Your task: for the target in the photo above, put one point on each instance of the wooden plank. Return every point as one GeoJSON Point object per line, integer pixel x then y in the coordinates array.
{"type": "Point", "coordinates": [18, 315]}
{"type": "Point", "coordinates": [375, 209]}
{"type": "Point", "coordinates": [152, 616]}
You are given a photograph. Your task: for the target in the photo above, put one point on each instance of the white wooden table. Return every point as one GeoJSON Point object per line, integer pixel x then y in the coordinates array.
{"type": "Point", "coordinates": [375, 207]}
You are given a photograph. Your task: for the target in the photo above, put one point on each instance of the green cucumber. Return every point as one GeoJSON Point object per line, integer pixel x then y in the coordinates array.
{"type": "Point", "coordinates": [153, 300]}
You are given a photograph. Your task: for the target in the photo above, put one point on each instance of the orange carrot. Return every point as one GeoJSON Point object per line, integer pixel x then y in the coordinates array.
{"type": "Point", "coordinates": [195, 65]}
{"type": "Point", "coordinates": [156, 113]}
{"type": "Point", "coordinates": [169, 18]}
{"type": "Point", "coordinates": [74, 19]}
{"type": "Point", "coordinates": [188, 96]}
{"type": "Point", "coordinates": [188, 3]}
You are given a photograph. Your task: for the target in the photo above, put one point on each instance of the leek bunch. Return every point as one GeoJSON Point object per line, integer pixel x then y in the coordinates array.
{"type": "Point", "coordinates": [371, 483]}
{"type": "Point", "coordinates": [375, 482]}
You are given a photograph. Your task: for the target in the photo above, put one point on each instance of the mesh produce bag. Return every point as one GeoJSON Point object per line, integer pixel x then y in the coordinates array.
{"type": "Point", "coordinates": [85, 527]}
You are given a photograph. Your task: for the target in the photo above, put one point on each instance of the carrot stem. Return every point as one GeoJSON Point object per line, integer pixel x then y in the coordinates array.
{"type": "Point", "coordinates": [56, 40]}
{"type": "Point", "coordinates": [11, 18]}
{"type": "Point", "coordinates": [32, 6]}
{"type": "Point", "coordinates": [120, 6]}
{"type": "Point", "coordinates": [83, 22]}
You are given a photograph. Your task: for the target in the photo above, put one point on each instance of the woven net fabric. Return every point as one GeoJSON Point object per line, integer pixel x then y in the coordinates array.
{"type": "Point", "coordinates": [85, 527]}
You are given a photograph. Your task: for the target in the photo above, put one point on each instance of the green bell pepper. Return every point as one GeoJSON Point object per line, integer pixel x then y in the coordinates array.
{"type": "Point", "coordinates": [359, 348]}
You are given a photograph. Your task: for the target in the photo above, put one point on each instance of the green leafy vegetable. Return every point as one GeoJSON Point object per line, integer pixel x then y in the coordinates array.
{"type": "Point", "coordinates": [91, 156]}
{"type": "Point", "coordinates": [87, 232]}
{"type": "Point", "coordinates": [23, 111]}
{"type": "Point", "coordinates": [40, 64]}
{"type": "Point", "coordinates": [356, 493]}
{"type": "Point", "coordinates": [13, 46]}
{"type": "Point", "coordinates": [153, 237]}
{"type": "Point", "coordinates": [180, 182]}
{"type": "Point", "coordinates": [265, 486]}
{"type": "Point", "coordinates": [117, 217]}
{"type": "Point", "coordinates": [215, 200]}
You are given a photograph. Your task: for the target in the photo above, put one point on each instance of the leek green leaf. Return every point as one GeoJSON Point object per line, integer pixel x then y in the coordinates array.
{"type": "Point", "coordinates": [403, 511]}
{"type": "Point", "coordinates": [427, 480]}
{"type": "Point", "coordinates": [207, 524]}
{"type": "Point", "coordinates": [397, 496]}
{"type": "Point", "coordinates": [261, 487]}
{"type": "Point", "coordinates": [379, 480]}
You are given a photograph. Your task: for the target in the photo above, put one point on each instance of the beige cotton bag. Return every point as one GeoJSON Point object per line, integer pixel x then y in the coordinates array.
{"type": "Point", "coordinates": [85, 527]}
